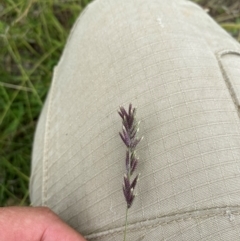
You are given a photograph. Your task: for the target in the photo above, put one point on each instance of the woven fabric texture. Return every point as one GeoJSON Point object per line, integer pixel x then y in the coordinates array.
{"type": "Point", "coordinates": [181, 70]}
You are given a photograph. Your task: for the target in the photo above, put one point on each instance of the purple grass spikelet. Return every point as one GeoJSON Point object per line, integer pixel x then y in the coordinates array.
{"type": "Point", "coordinates": [130, 139]}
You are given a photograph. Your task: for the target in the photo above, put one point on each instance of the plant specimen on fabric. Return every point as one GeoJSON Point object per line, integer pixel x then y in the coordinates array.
{"type": "Point", "coordinates": [130, 128]}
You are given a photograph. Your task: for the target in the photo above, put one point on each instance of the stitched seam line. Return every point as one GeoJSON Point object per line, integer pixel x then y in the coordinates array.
{"type": "Point", "coordinates": [49, 111]}
{"type": "Point", "coordinates": [226, 78]}
{"type": "Point", "coordinates": [161, 221]}
{"type": "Point", "coordinates": [46, 139]}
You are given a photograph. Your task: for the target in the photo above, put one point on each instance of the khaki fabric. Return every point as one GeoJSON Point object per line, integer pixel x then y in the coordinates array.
{"type": "Point", "coordinates": [181, 70]}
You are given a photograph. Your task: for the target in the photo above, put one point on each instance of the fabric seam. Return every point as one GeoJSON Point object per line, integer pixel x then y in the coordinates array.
{"type": "Point", "coordinates": [46, 138]}
{"type": "Point", "coordinates": [161, 221]}
{"type": "Point", "coordinates": [226, 78]}
{"type": "Point", "coordinates": [49, 110]}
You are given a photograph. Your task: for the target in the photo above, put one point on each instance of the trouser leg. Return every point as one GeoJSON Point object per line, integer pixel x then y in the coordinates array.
{"type": "Point", "coordinates": [180, 69]}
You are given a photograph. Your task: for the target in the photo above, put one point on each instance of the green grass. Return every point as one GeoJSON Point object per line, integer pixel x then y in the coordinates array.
{"type": "Point", "coordinates": [32, 36]}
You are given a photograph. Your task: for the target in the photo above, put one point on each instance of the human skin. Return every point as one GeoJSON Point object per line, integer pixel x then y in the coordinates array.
{"type": "Point", "coordinates": [34, 224]}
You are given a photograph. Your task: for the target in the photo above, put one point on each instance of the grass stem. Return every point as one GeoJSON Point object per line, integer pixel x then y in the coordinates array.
{"type": "Point", "coordinates": [126, 219]}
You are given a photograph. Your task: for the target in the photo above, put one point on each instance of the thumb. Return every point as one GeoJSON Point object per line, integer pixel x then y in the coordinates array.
{"type": "Point", "coordinates": [34, 224]}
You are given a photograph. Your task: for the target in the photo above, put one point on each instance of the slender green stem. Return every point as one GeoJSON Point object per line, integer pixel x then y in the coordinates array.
{"type": "Point", "coordinates": [125, 231]}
